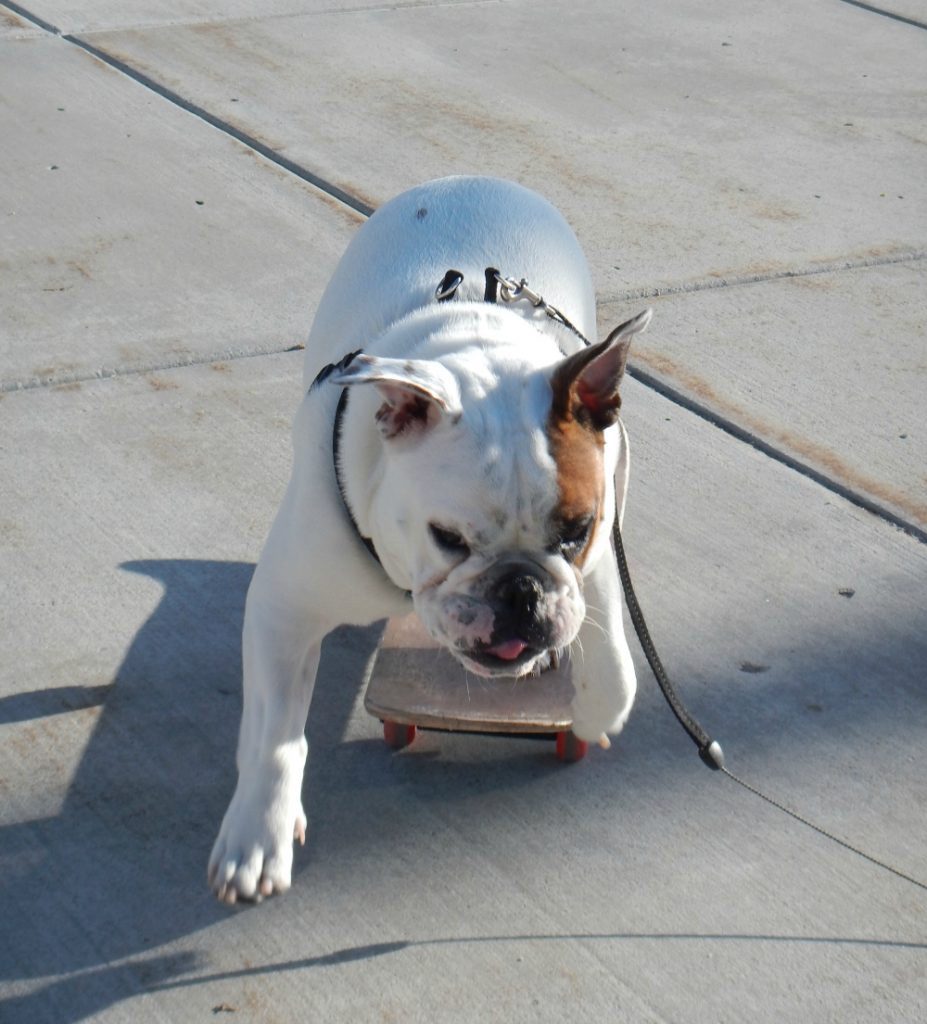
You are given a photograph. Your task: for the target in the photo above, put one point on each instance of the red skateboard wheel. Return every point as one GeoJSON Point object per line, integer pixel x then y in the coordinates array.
{"type": "Point", "coordinates": [570, 748]}
{"type": "Point", "coordinates": [398, 735]}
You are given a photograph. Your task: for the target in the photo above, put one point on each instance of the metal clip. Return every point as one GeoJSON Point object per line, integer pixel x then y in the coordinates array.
{"type": "Point", "coordinates": [448, 285]}
{"type": "Point", "coordinates": [511, 290]}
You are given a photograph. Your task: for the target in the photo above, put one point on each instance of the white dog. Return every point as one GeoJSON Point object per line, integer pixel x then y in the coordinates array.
{"type": "Point", "coordinates": [478, 465]}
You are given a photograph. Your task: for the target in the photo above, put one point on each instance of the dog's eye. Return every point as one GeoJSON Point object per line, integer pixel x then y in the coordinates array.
{"type": "Point", "coordinates": [449, 541]}
{"type": "Point", "coordinates": [573, 537]}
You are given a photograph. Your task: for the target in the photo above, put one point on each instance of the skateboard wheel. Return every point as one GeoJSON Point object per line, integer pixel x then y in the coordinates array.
{"type": "Point", "coordinates": [570, 748]}
{"type": "Point", "coordinates": [398, 735]}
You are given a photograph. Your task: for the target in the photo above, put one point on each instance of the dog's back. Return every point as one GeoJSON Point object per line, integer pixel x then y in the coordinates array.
{"type": "Point", "coordinates": [396, 260]}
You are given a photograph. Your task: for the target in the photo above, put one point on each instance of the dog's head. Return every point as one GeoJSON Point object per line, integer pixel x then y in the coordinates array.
{"type": "Point", "coordinates": [494, 493]}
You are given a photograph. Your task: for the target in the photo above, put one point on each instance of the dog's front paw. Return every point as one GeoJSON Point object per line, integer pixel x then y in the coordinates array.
{"type": "Point", "coordinates": [595, 725]}
{"type": "Point", "coordinates": [602, 711]}
{"type": "Point", "coordinates": [253, 854]}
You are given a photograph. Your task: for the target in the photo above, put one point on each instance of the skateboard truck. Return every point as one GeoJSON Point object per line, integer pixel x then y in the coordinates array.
{"type": "Point", "coordinates": [416, 684]}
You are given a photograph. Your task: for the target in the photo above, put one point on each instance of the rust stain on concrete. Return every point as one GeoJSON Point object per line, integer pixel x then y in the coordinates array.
{"type": "Point", "coordinates": [12, 21]}
{"type": "Point", "coordinates": [815, 453]}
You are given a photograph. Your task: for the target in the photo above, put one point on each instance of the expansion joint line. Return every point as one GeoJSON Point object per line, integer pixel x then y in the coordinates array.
{"type": "Point", "coordinates": [886, 14]}
{"type": "Point", "coordinates": [303, 173]}
{"type": "Point", "coordinates": [732, 429]}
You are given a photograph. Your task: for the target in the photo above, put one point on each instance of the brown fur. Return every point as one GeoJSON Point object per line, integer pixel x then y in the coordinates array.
{"type": "Point", "coordinates": [578, 451]}
{"type": "Point", "coordinates": [585, 403]}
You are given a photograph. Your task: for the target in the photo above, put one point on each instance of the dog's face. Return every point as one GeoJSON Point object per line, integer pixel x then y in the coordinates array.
{"type": "Point", "coordinates": [495, 495]}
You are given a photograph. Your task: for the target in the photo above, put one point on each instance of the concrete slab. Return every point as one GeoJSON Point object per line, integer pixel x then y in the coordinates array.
{"type": "Point", "coordinates": [684, 143]}
{"type": "Point", "coordinates": [137, 235]}
{"type": "Point", "coordinates": [827, 367]}
{"type": "Point", "coordinates": [95, 15]}
{"type": "Point", "coordinates": [468, 878]}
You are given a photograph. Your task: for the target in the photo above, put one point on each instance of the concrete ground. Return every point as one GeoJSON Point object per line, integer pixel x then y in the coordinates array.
{"type": "Point", "coordinates": [179, 180]}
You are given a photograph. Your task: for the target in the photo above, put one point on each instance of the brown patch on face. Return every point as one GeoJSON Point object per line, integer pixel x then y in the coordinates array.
{"type": "Point", "coordinates": [578, 453]}
{"type": "Point", "coordinates": [584, 404]}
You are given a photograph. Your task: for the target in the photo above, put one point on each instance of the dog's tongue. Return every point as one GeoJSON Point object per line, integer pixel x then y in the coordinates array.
{"type": "Point", "coordinates": [509, 650]}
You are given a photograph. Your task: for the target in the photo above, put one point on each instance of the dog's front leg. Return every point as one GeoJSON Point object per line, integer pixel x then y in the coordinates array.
{"type": "Point", "coordinates": [603, 672]}
{"type": "Point", "coordinates": [253, 854]}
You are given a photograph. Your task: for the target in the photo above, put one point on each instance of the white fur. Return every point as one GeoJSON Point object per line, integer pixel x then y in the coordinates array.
{"type": "Point", "coordinates": [482, 463]}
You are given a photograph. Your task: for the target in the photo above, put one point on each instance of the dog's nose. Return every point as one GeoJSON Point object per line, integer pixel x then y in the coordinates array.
{"type": "Point", "coordinates": [520, 593]}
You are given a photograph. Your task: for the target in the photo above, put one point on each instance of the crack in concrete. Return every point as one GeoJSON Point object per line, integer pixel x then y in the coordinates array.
{"type": "Point", "coordinates": [886, 14]}
{"type": "Point", "coordinates": [740, 280]}
{"type": "Point", "coordinates": [328, 187]}
{"type": "Point", "coordinates": [60, 380]}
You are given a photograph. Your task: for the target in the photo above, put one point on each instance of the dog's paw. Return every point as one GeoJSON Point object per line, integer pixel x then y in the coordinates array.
{"type": "Point", "coordinates": [599, 712]}
{"type": "Point", "coordinates": [595, 724]}
{"type": "Point", "coordinates": [253, 853]}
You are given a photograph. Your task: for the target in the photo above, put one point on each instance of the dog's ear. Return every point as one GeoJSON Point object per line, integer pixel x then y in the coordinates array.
{"type": "Point", "coordinates": [417, 393]}
{"type": "Point", "coordinates": [585, 385]}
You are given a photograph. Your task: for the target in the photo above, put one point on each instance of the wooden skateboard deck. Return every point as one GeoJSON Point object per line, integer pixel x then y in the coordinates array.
{"type": "Point", "coordinates": [416, 682]}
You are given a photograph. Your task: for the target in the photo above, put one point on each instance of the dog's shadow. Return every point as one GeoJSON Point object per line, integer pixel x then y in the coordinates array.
{"type": "Point", "coordinates": [120, 869]}
{"type": "Point", "coordinates": [115, 866]}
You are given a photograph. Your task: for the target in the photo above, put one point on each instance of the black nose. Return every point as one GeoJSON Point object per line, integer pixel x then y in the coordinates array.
{"type": "Point", "coordinates": [520, 594]}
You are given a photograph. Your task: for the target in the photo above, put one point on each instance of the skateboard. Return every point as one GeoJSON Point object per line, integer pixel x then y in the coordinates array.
{"type": "Point", "coordinates": [416, 684]}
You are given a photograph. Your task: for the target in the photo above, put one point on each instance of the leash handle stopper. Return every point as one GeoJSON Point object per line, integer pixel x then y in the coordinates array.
{"type": "Point", "coordinates": [712, 755]}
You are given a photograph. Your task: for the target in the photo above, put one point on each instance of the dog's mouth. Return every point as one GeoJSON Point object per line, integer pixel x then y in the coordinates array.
{"type": "Point", "coordinates": [513, 657]}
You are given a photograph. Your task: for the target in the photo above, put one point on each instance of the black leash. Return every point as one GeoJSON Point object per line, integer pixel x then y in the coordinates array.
{"type": "Point", "coordinates": [709, 750]}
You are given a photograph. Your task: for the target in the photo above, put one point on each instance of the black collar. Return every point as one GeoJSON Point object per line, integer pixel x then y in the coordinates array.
{"type": "Point", "coordinates": [336, 458]}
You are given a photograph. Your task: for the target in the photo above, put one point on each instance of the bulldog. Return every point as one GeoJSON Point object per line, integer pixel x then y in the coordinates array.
{"type": "Point", "coordinates": [458, 451]}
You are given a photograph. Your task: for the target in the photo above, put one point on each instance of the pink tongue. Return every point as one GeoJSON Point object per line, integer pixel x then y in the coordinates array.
{"type": "Point", "coordinates": [509, 650]}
